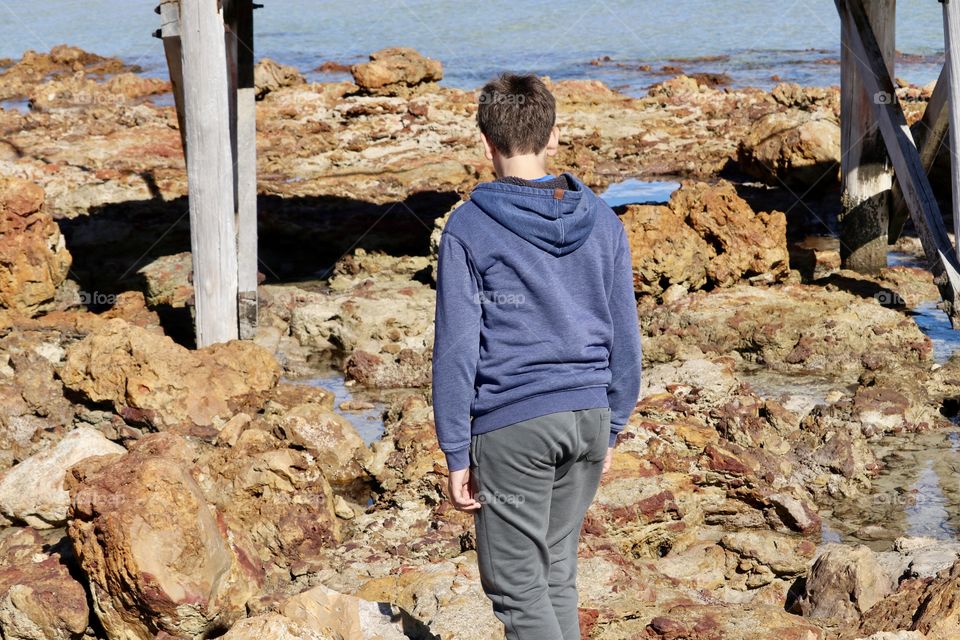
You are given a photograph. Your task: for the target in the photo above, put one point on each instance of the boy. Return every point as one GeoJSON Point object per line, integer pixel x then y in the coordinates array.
{"type": "Point", "coordinates": [536, 360]}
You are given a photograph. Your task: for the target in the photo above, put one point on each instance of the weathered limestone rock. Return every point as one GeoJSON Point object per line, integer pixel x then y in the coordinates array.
{"type": "Point", "coordinates": [34, 260]}
{"type": "Point", "coordinates": [149, 378]}
{"type": "Point", "coordinates": [705, 235]}
{"type": "Point", "coordinates": [277, 495]}
{"type": "Point", "coordinates": [443, 599]}
{"type": "Point", "coordinates": [800, 149]}
{"type": "Point", "coordinates": [787, 327]}
{"type": "Point", "coordinates": [394, 70]}
{"type": "Point", "coordinates": [33, 492]}
{"type": "Point", "coordinates": [158, 558]}
{"type": "Point", "coordinates": [329, 437]}
{"type": "Point", "coordinates": [344, 616]}
{"type": "Point", "coordinates": [272, 626]}
{"type": "Point", "coordinates": [704, 622]}
{"type": "Point", "coordinates": [269, 75]}
{"type": "Point", "coordinates": [169, 280]}
{"type": "Point", "coordinates": [33, 410]}
{"type": "Point", "coordinates": [928, 606]}
{"type": "Point", "coordinates": [39, 599]}
{"type": "Point", "coordinates": [843, 583]}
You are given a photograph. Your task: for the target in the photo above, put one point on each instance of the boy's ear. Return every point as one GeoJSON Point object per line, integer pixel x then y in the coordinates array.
{"type": "Point", "coordinates": [553, 144]}
{"type": "Point", "coordinates": [488, 148]}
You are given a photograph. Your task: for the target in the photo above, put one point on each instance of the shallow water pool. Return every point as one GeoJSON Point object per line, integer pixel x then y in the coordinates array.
{"type": "Point", "coordinates": [635, 191]}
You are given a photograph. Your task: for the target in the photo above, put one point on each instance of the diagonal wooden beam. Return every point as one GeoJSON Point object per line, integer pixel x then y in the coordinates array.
{"type": "Point", "coordinates": [909, 171]}
{"type": "Point", "coordinates": [929, 133]}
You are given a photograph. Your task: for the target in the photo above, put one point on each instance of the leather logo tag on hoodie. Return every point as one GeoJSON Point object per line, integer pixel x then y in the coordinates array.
{"type": "Point", "coordinates": [558, 194]}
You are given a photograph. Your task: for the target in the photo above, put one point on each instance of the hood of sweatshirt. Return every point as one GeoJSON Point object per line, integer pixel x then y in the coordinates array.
{"type": "Point", "coordinates": [557, 221]}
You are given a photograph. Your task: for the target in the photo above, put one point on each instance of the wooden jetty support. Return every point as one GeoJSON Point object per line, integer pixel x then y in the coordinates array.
{"type": "Point", "coordinates": [874, 78]}
{"type": "Point", "coordinates": [209, 51]}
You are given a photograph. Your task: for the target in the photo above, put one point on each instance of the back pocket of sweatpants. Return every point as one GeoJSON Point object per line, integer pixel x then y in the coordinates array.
{"type": "Point", "coordinates": [598, 448]}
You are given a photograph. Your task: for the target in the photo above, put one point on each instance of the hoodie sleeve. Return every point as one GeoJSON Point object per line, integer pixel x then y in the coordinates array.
{"type": "Point", "coordinates": [625, 352]}
{"type": "Point", "coordinates": [456, 349]}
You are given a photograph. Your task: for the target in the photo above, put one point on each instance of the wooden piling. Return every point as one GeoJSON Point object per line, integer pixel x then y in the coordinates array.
{"type": "Point", "coordinates": [929, 133]}
{"type": "Point", "coordinates": [951, 34]}
{"type": "Point", "coordinates": [924, 211]}
{"type": "Point", "coordinates": [209, 171]}
{"type": "Point", "coordinates": [866, 176]}
{"type": "Point", "coordinates": [246, 171]}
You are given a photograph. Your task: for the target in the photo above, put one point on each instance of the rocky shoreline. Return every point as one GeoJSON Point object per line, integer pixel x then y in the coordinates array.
{"type": "Point", "coordinates": [152, 490]}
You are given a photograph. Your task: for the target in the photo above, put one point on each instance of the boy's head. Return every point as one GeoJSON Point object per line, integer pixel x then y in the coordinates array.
{"type": "Point", "coordinates": [517, 117]}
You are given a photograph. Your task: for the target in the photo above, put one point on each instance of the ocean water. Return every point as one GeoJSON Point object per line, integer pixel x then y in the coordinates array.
{"type": "Point", "coordinates": [754, 42]}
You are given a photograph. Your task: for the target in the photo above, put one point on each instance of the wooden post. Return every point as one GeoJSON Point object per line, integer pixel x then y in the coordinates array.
{"type": "Point", "coordinates": [246, 171]}
{"type": "Point", "coordinates": [941, 257]}
{"type": "Point", "coordinates": [866, 177]}
{"type": "Point", "coordinates": [951, 34]}
{"type": "Point", "coordinates": [929, 133]}
{"type": "Point", "coordinates": [213, 239]}
{"type": "Point", "coordinates": [170, 33]}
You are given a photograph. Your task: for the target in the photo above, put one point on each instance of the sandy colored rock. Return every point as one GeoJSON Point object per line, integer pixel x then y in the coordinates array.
{"type": "Point", "coordinates": [149, 378]}
{"type": "Point", "coordinates": [788, 327]}
{"type": "Point", "coordinates": [272, 626]}
{"type": "Point", "coordinates": [797, 148]}
{"type": "Point", "coordinates": [39, 598]}
{"type": "Point", "coordinates": [158, 557]}
{"type": "Point", "coordinates": [33, 492]}
{"type": "Point", "coordinates": [34, 260]}
{"type": "Point", "coordinates": [326, 611]}
{"type": "Point", "coordinates": [443, 599]}
{"type": "Point", "coordinates": [843, 583]}
{"type": "Point", "coordinates": [34, 413]}
{"type": "Point", "coordinates": [393, 70]}
{"type": "Point", "coordinates": [329, 437]}
{"type": "Point", "coordinates": [686, 622]}
{"type": "Point", "coordinates": [928, 606]}
{"type": "Point", "coordinates": [276, 495]}
{"type": "Point", "coordinates": [169, 280]}
{"type": "Point", "coordinates": [705, 236]}
{"type": "Point", "coordinates": [269, 75]}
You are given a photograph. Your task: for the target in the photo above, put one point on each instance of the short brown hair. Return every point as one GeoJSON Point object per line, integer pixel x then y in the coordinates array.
{"type": "Point", "coordinates": [516, 114]}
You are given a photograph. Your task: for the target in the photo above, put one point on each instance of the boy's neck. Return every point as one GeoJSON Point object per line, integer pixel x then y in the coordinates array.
{"type": "Point", "coordinates": [528, 167]}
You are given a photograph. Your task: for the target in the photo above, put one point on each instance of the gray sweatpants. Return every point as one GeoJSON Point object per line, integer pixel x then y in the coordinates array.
{"type": "Point", "coordinates": [535, 480]}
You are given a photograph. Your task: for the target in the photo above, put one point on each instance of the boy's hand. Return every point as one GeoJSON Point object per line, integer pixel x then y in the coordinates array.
{"type": "Point", "coordinates": [606, 461]}
{"type": "Point", "coordinates": [462, 494]}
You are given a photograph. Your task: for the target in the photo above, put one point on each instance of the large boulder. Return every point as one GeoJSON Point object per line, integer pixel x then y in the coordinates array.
{"type": "Point", "coordinates": [33, 410]}
{"type": "Point", "coordinates": [33, 491]}
{"type": "Point", "coordinates": [393, 71]}
{"type": "Point", "coordinates": [148, 378]}
{"type": "Point", "coordinates": [787, 328]}
{"type": "Point", "coordinates": [34, 260]}
{"type": "Point", "coordinates": [843, 583]}
{"type": "Point", "coordinates": [270, 75]}
{"type": "Point", "coordinates": [799, 149]}
{"type": "Point", "coordinates": [159, 559]}
{"type": "Point", "coordinates": [930, 606]}
{"type": "Point", "coordinates": [707, 235]}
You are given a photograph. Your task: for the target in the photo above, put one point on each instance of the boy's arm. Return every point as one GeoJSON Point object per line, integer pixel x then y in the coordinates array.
{"type": "Point", "coordinates": [456, 350]}
{"type": "Point", "coordinates": [625, 352]}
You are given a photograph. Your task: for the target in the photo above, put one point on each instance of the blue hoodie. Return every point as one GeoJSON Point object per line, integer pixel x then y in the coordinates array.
{"type": "Point", "coordinates": [535, 313]}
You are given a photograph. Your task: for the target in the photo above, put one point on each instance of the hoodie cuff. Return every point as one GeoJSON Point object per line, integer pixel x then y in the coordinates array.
{"type": "Point", "coordinates": [613, 439]}
{"type": "Point", "coordinates": [458, 458]}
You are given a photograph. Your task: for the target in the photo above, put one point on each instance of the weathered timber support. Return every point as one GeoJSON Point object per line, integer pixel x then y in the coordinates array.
{"type": "Point", "coordinates": [866, 176]}
{"type": "Point", "coordinates": [246, 170]}
{"type": "Point", "coordinates": [929, 133]}
{"type": "Point", "coordinates": [941, 257]}
{"type": "Point", "coordinates": [951, 35]}
{"type": "Point", "coordinates": [209, 170]}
